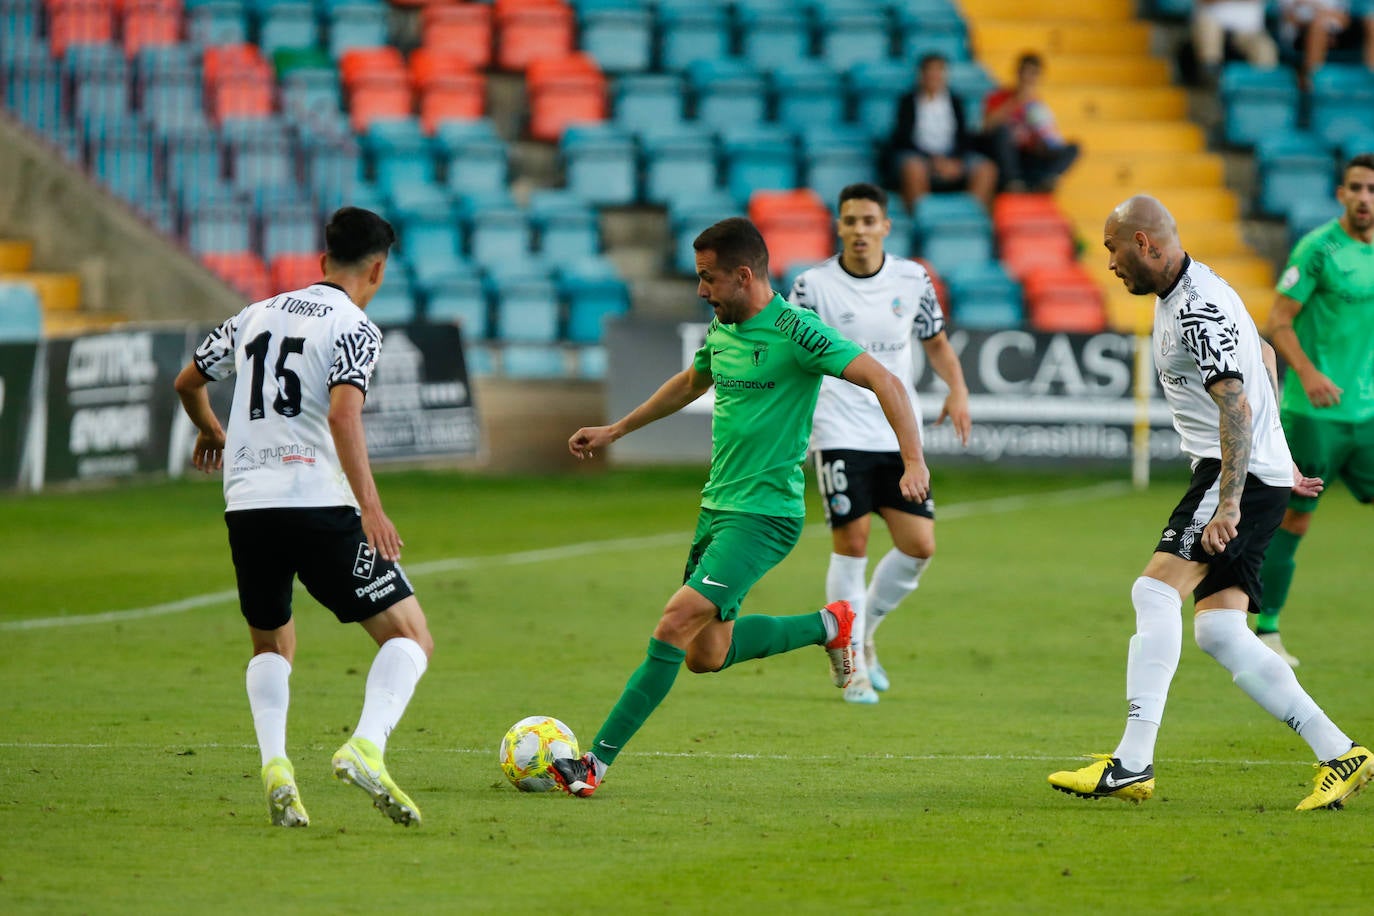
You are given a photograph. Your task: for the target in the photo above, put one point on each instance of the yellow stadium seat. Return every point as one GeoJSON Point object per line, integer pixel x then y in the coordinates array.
{"type": "Point", "coordinates": [1108, 103]}
{"type": "Point", "coordinates": [15, 255]}
{"type": "Point", "coordinates": [58, 292]}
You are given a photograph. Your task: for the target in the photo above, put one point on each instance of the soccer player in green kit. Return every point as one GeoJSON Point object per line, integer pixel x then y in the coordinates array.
{"type": "Point", "coordinates": [1322, 324]}
{"type": "Point", "coordinates": [766, 358]}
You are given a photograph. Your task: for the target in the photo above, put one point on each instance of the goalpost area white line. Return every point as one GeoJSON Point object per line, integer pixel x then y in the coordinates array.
{"type": "Point", "coordinates": [970, 509]}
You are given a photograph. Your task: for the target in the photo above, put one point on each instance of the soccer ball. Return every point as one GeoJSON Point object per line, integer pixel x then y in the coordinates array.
{"type": "Point", "coordinates": [530, 747]}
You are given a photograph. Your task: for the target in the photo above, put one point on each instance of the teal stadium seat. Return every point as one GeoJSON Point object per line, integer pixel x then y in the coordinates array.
{"type": "Point", "coordinates": [807, 94]}
{"type": "Point", "coordinates": [680, 166]}
{"type": "Point", "coordinates": [758, 158]}
{"type": "Point", "coordinates": [1342, 99]}
{"type": "Point", "coordinates": [1257, 103]}
{"type": "Point", "coordinates": [534, 361]}
{"type": "Point", "coordinates": [1290, 169]}
{"type": "Point", "coordinates": [727, 93]}
{"type": "Point", "coordinates": [852, 34]}
{"type": "Point", "coordinates": [648, 103]}
{"type": "Point", "coordinates": [21, 313]}
{"type": "Point", "coordinates": [600, 164]}
{"type": "Point", "coordinates": [696, 30]}
{"type": "Point", "coordinates": [618, 33]}
{"type": "Point", "coordinates": [594, 292]}
{"type": "Point", "coordinates": [462, 300]}
{"type": "Point", "coordinates": [772, 35]}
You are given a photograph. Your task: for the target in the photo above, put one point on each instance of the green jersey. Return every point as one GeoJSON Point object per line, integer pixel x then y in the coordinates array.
{"type": "Point", "coordinates": [1332, 275]}
{"type": "Point", "coordinates": [767, 373]}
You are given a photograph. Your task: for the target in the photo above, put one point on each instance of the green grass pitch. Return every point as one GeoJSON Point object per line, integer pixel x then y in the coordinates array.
{"type": "Point", "coordinates": [130, 779]}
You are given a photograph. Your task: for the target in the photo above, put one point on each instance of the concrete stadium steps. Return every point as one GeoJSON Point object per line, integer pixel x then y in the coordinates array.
{"type": "Point", "coordinates": [1079, 70]}
{"type": "Point", "coordinates": [1114, 98]}
{"type": "Point", "coordinates": [1116, 103]}
{"type": "Point", "coordinates": [1128, 172]}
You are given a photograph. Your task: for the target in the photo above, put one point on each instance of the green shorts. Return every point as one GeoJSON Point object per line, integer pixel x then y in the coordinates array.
{"type": "Point", "coordinates": [1330, 449]}
{"type": "Point", "coordinates": [732, 550]}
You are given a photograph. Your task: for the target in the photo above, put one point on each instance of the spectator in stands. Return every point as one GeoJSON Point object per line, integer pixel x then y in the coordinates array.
{"type": "Point", "coordinates": [931, 144]}
{"type": "Point", "coordinates": [1240, 21]}
{"type": "Point", "coordinates": [1020, 133]}
{"type": "Point", "coordinates": [1314, 27]}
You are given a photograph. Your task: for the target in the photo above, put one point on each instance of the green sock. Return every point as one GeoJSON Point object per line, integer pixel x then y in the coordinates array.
{"type": "Point", "coordinates": [759, 636]}
{"type": "Point", "coordinates": [1277, 576]}
{"type": "Point", "coordinates": [643, 692]}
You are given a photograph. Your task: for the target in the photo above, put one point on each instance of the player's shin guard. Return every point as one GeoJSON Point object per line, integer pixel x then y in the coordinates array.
{"type": "Point", "coordinates": [268, 681]}
{"type": "Point", "coordinates": [646, 688]}
{"type": "Point", "coordinates": [1267, 679]}
{"type": "Point", "coordinates": [896, 576]}
{"type": "Point", "coordinates": [759, 636]}
{"type": "Point", "coordinates": [1150, 665]}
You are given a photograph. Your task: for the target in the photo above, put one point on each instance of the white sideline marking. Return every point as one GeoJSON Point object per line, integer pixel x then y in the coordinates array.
{"type": "Point", "coordinates": [970, 509]}
{"type": "Point", "coordinates": [699, 755]}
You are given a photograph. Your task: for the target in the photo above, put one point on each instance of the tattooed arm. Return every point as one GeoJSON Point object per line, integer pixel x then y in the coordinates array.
{"type": "Point", "coordinates": [1234, 409]}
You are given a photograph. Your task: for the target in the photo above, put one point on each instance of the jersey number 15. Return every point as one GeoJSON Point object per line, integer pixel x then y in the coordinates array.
{"type": "Point", "coordinates": [288, 400]}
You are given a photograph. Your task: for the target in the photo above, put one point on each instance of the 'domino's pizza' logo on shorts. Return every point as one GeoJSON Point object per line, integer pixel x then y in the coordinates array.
{"type": "Point", "coordinates": [367, 559]}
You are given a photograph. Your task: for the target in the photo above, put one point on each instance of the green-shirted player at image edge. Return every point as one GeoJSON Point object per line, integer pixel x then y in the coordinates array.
{"type": "Point", "coordinates": [1322, 324]}
{"type": "Point", "coordinates": [765, 358]}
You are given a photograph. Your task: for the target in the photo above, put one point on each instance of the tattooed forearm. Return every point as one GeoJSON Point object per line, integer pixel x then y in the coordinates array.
{"type": "Point", "coordinates": [1234, 427]}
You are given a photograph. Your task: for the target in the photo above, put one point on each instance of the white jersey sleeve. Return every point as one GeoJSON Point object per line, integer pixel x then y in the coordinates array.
{"type": "Point", "coordinates": [1203, 334]}
{"type": "Point", "coordinates": [882, 313]}
{"type": "Point", "coordinates": [288, 352]}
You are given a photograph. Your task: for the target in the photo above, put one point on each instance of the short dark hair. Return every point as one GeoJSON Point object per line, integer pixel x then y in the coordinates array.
{"type": "Point", "coordinates": [864, 190]}
{"type": "Point", "coordinates": [931, 57]}
{"type": "Point", "coordinates": [353, 235]}
{"type": "Point", "coordinates": [1362, 161]}
{"type": "Point", "coordinates": [1029, 57]}
{"type": "Point", "coordinates": [736, 241]}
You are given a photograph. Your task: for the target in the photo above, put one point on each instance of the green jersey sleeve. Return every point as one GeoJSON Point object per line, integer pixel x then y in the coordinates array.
{"type": "Point", "coordinates": [819, 348]}
{"type": "Point", "coordinates": [701, 360]}
{"type": "Point", "coordinates": [1305, 265]}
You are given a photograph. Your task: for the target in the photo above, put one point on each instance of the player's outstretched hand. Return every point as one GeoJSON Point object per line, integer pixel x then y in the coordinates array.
{"type": "Point", "coordinates": [208, 454]}
{"type": "Point", "coordinates": [1306, 486]}
{"type": "Point", "coordinates": [586, 440]}
{"type": "Point", "coordinates": [956, 408]}
{"type": "Point", "coordinates": [382, 535]}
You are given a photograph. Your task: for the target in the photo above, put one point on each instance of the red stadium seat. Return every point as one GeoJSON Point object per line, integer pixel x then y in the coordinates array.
{"type": "Point", "coordinates": [80, 22]}
{"type": "Point", "coordinates": [564, 90]}
{"type": "Point", "coordinates": [463, 30]}
{"type": "Point", "coordinates": [1064, 299]}
{"type": "Point", "coordinates": [357, 64]}
{"type": "Point", "coordinates": [150, 27]}
{"type": "Point", "coordinates": [453, 98]}
{"type": "Point", "coordinates": [373, 102]}
{"type": "Point", "coordinates": [429, 63]}
{"type": "Point", "coordinates": [1024, 252]}
{"type": "Point", "coordinates": [242, 97]}
{"type": "Point", "coordinates": [796, 226]}
{"type": "Point", "coordinates": [528, 32]}
{"type": "Point", "coordinates": [294, 271]}
{"type": "Point", "coordinates": [244, 271]}
{"type": "Point", "coordinates": [941, 290]}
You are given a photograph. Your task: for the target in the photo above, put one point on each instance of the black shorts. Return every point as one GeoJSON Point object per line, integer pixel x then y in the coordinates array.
{"type": "Point", "coordinates": [1261, 509]}
{"type": "Point", "coordinates": [326, 548]}
{"type": "Point", "coordinates": [855, 483]}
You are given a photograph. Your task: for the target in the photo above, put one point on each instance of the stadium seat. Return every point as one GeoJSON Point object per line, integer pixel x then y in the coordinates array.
{"type": "Point", "coordinates": [836, 156]}
{"type": "Point", "coordinates": [679, 166]}
{"type": "Point", "coordinates": [21, 313]}
{"type": "Point", "coordinates": [461, 29]}
{"type": "Point", "coordinates": [244, 271]}
{"type": "Point", "coordinates": [392, 306]}
{"type": "Point", "coordinates": [796, 225]}
{"type": "Point", "coordinates": [591, 362]}
{"type": "Point", "coordinates": [758, 159]}
{"type": "Point", "coordinates": [356, 25]}
{"type": "Point", "coordinates": [498, 234]}
{"type": "Point", "coordinates": [1307, 215]}
{"type": "Point", "coordinates": [564, 91]}
{"type": "Point", "coordinates": [463, 301]}
{"type": "Point", "coordinates": [474, 163]}
{"type": "Point", "coordinates": [691, 33]}
{"type": "Point", "coordinates": [593, 296]}
{"type": "Point", "coordinates": [600, 164]}
{"type": "Point", "coordinates": [529, 32]}
{"type": "Point", "coordinates": [620, 38]}
{"type": "Point", "coordinates": [1257, 102]}
{"type": "Point", "coordinates": [533, 361]}
{"type": "Point", "coordinates": [288, 25]}
{"type": "Point", "coordinates": [452, 97]}
{"type": "Point", "coordinates": [774, 36]}
{"type": "Point", "coordinates": [850, 36]}
{"type": "Point", "coordinates": [689, 217]}
{"type": "Point", "coordinates": [1064, 299]}
{"type": "Point", "coordinates": [1290, 170]}
{"type": "Point", "coordinates": [727, 93]}
{"type": "Point", "coordinates": [646, 103]}
{"type": "Point", "coordinates": [1342, 97]}
{"type": "Point", "coordinates": [806, 94]}
{"type": "Point", "coordinates": [290, 228]}
{"type": "Point", "coordinates": [983, 296]}
{"type": "Point", "coordinates": [567, 234]}
{"type": "Point", "coordinates": [214, 24]}
{"type": "Point", "coordinates": [150, 26]}
{"type": "Point", "coordinates": [874, 87]}
{"type": "Point", "coordinates": [219, 227]}
{"type": "Point", "coordinates": [1023, 253]}
{"type": "Point", "coordinates": [526, 310]}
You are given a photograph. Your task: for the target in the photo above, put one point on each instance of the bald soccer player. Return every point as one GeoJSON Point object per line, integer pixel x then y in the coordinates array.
{"type": "Point", "coordinates": [1219, 381]}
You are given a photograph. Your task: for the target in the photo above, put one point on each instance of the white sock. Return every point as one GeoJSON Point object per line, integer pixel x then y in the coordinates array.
{"type": "Point", "coordinates": [269, 695]}
{"type": "Point", "coordinates": [399, 664]}
{"type": "Point", "coordinates": [1151, 662]}
{"type": "Point", "coordinates": [844, 580]}
{"type": "Point", "coordinates": [896, 576]}
{"type": "Point", "coordinates": [1267, 679]}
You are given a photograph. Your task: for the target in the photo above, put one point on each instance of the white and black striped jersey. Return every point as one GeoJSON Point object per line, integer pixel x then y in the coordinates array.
{"type": "Point", "coordinates": [880, 313]}
{"type": "Point", "coordinates": [1202, 334]}
{"type": "Point", "coordinates": [289, 351]}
